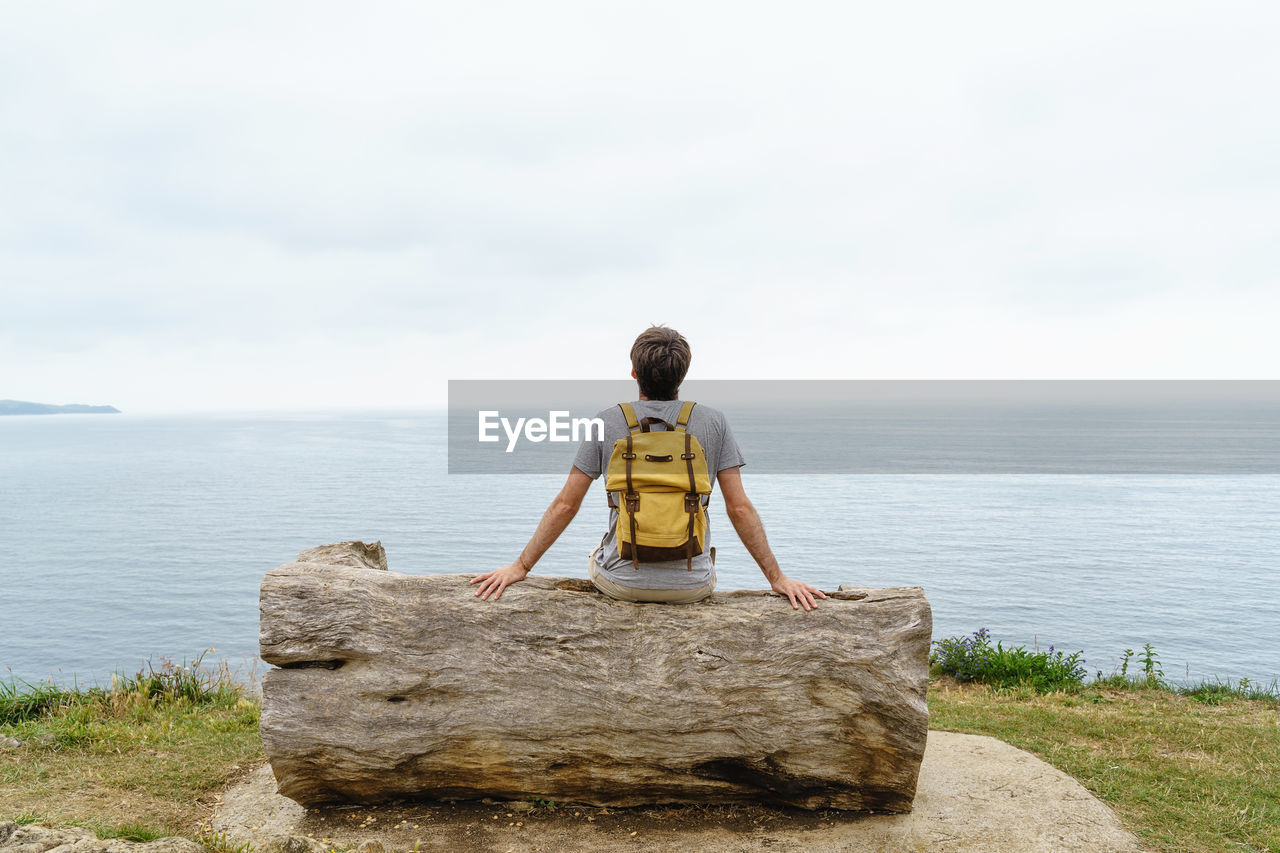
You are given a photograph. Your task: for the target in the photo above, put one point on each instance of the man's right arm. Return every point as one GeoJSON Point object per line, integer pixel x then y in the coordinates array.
{"type": "Point", "coordinates": [751, 531]}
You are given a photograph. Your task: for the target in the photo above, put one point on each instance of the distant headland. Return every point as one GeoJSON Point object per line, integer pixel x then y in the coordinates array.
{"type": "Point", "coordinates": [20, 407]}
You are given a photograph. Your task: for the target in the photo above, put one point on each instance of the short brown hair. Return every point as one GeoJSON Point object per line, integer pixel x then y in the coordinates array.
{"type": "Point", "coordinates": [661, 358]}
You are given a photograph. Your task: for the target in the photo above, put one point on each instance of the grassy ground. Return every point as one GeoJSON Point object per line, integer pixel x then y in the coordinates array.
{"type": "Point", "coordinates": [1183, 773]}
{"type": "Point", "coordinates": [140, 761]}
{"type": "Point", "coordinates": [145, 760]}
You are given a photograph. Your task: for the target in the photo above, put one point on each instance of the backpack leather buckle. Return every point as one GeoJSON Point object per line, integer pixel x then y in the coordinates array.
{"type": "Point", "coordinates": [632, 501]}
{"type": "Point", "coordinates": [692, 503]}
{"type": "Point", "coordinates": [688, 456]}
{"type": "Point", "coordinates": [626, 455]}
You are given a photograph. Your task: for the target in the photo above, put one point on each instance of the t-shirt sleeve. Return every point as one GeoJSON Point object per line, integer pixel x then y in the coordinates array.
{"type": "Point", "coordinates": [590, 458]}
{"type": "Point", "coordinates": [730, 452]}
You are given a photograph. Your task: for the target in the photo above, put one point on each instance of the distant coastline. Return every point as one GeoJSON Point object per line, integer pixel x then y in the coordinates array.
{"type": "Point", "coordinates": [21, 407]}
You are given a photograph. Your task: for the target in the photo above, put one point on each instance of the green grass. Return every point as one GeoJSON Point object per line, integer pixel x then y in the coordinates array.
{"type": "Point", "coordinates": [191, 682]}
{"type": "Point", "coordinates": [972, 659]}
{"type": "Point", "coordinates": [1187, 767]}
{"type": "Point", "coordinates": [217, 842]}
{"type": "Point", "coordinates": [131, 832]}
{"type": "Point", "coordinates": [22, 701]}
{"type": "Point", "coordinates": [135, 760]}
{"type": "Point", "coordinates": [1185, 773]}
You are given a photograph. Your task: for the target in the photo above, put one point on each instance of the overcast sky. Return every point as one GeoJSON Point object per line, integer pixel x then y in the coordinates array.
{"type": "Point", "coordinates": [275, 205]}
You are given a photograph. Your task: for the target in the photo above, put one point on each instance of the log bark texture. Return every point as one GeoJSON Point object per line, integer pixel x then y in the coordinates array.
{"type": "Point", "coordinates": [408, 686]}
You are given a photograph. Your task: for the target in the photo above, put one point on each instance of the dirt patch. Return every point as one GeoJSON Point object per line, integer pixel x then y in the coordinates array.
{"type": "Point", "coordinates": [975, 793]}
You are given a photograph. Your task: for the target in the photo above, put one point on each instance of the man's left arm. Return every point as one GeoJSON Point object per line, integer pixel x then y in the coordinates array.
{"type": "Point", "coordinates": [557, 517]}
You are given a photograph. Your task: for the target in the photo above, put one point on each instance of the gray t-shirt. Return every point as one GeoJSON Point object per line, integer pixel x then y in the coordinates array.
{"type": "Point", "coordinates": [722, 451]}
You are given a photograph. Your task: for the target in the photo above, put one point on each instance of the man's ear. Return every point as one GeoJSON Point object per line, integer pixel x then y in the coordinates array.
{"type": "Point", "coordinates": [633, 373]}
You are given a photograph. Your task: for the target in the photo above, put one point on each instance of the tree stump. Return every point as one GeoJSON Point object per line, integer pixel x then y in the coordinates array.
{"type": "Point", "coordinates": [408, 686]}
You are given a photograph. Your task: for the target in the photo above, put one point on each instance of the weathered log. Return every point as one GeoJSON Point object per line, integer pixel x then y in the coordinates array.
{"type": "Point", "coordinates": [408, 686]}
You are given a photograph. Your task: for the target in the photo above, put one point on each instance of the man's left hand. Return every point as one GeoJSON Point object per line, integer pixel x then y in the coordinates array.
{"type": "Point", "coordinates": [497, 580]}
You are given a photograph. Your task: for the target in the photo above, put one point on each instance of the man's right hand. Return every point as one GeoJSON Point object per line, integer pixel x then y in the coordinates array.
{"type": "Point", "coordinates": [746, 521]}
{"type": "Point", "coordinates": [800, 593]}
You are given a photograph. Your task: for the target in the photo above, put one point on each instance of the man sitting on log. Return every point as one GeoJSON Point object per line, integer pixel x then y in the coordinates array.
{"type": "Point", "coordinates": [623, 566]}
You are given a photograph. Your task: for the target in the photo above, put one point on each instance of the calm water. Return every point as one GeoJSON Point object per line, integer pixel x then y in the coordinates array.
{"type": "Point", "coordinates": [131, 538]}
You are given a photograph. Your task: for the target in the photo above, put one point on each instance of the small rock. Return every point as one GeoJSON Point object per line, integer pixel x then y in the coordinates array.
{"type": "Point", "coordinates": [39, 839]}
{"type": "Point", "coordinates": [521, 807]}
{"type": "Point", "coordinates": [167, 845]}
{"type": "Point", "coordinates": [298, 844]}
{"type": "Point", "coordinates": [370, 845]}
{"type": "Point", "coordinates": [34, 838]}
{"type": "Point", "coordinates": [9, 743]}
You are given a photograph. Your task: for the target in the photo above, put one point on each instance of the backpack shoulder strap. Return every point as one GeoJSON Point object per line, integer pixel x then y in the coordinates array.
{"type": "Point", "coordinates": [685, 411]}
{"type": "Point", "coordinates": [633, 424]}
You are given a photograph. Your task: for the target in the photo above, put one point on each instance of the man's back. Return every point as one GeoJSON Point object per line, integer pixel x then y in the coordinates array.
{"type": "Point", "coordinates": [722, 451]}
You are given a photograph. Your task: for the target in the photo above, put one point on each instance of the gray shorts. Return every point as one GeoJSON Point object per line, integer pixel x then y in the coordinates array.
{"type": "Point", "coordinates": [665, 596]}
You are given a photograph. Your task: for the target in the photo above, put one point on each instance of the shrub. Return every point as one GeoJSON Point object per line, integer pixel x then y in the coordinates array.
{"type": "Point", "coordinates": [973, 658]}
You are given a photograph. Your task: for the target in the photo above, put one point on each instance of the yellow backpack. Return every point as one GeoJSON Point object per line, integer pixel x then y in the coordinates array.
{"type": "Point", "coordinates": [656, 480]}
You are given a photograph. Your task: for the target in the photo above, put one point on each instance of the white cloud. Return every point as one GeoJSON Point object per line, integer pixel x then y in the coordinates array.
{"type": "Point", "coordinates": [239, 205]}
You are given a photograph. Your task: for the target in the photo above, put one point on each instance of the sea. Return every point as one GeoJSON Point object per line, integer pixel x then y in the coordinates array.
{"type": "Point", "coordinates": [134, 539]}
